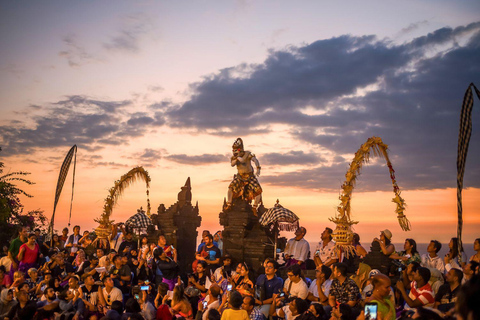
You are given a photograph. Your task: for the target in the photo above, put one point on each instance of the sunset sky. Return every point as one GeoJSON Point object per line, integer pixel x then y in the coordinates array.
{"type": "Point", "coordinates": [170, 85]}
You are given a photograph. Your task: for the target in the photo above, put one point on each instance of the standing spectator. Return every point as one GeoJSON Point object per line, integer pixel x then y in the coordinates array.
{"type": "Point", "coordinates": [64, 236]}
{"type": "Point", "coordinates": [86, 243]}
{"type": "Point", "coordinates": [446, 296]}
{"type": "Point", "coordinates": [168, 267]}
{"type": "Point", "coordinates": [267, 285]}
{"type": "Point", "coordinates": [295, 286]}
{"type": "Point", "coordinates": [343, 289]}
{"type": "Point", "coordinates": [297, 249]}
{"type": "Point", "coordinates": [209, 253]}
{"type": "Point", "coordinates": [14, 248]}
{"type": "Point", "coordinates": [169, 250]}
{"type": "Point", "coordinates": [320, 288]}
{"type": "Point", "coordinates": [28, 254]}
{"type": "Point", "coordinates": [409, 255]}
{"type": "Point", "coordinates": [72, 241]}
{"type": "Point", "coordinates": [325, 253]}
{"type": "Point", "coordinates": [431, 259]}
{"type": "Point", "coordinates": [144, 247]}
{"type": "Point", "coordinates": [421, 293]}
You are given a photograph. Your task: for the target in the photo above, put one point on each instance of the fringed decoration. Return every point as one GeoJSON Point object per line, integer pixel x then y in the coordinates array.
{"type": "Point", "coordinates": [117, 190]}
{"type": "Point", "coordinates": [343, 234]}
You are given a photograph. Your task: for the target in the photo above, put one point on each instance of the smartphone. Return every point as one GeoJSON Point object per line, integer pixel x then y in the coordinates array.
{"type": "Point", "coordinates": [371, 309]}
{"type": "Point", "coordinates": [204, 304]}
{"type": "Point", "coordinates": [144, 288]}
{"type": "Point", "coordinates": [317, 252]}
{"type": "Point", "coordinates": [282, 294]}
{"type": "Point", "coordinates": [400, 269]}
{"type": "Point", "coordinates": [229, 287]}
{"type": "Point", "coordinates": [171, 247]}
{"type": "Point", "coordinates": [137, 296]}
{"type": "Point", "coordinates": [147, 281]}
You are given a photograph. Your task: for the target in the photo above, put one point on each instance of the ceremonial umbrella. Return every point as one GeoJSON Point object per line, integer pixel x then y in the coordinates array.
{"type": "Point", "coordinates": [139, 221]}
{"type": "Point", "coordinates": [279, 218]}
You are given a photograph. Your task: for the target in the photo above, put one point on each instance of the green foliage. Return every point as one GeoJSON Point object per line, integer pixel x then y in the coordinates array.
{"type": "Point", "coordinates": [12, 216]}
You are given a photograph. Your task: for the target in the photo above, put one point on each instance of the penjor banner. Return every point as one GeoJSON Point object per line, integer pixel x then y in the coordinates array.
{"type": "Point", "coordinates": [465, 132]}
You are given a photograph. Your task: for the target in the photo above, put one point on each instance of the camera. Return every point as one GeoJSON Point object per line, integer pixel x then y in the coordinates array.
{"type": "Point", "coordinates": [400, 266]}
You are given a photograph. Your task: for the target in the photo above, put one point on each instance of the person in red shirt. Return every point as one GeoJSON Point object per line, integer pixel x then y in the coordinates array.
{"type": "Point", "coordinates": [28, 254]}
{"type": "Point", "coordinates": [421, 293]}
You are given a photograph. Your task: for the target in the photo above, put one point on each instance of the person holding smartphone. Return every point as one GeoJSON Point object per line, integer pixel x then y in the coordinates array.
{"type": "Point", "coordinates": [380, 300]}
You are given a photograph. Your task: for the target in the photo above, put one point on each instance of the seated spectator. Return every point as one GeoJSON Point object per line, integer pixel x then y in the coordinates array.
{"type": "Point", "coordinates": [325, 253]}
{"type": "Point", "coordinates": [91, 270]}
{"type": "Point", "coordinates": [245, 286]}
{"type": "Point", "coordinates": [476, 247]}
{"type": "Point", "coordinates": [116, 311]}
{"type": "Point", "coordinates": [409, 255]}
{"type": "Point", "coordinates": [454, 258]}
{"type": "Point", "coordinates": [108, 294]}
{"type": "Point", "coordinates": [80, 263]}
{"type": "Point", "coordinates": [431, 259]}
{"type": "Point", "coordinates": [267, 285]}
{"type": "Point", "coordinates": [210, 302]}
{"type": "Point", "coordinates": [381, 295]}
{"type": "Point", "coordinates": [6, 302]}
{"type": "Point", "coordinates": [297, 249]}
{"type": "Point", "coordinates": [368, 285]}
{"type": "Point", "coordinates": [446, 296]}
{"type": "Point", "coordinates": [469, 270]}
{"type": "Point", "coordinates": [295, 286]}
{"type": "Point", "coordinates": [63, 270]}
{"type": "Point", "coordinates": [317, 311]}
{"type": "Point", "coordinates": [121, 274]}
{"type": "Point", "coordinates": [320, 287]}
{"type": "Point", "coordinates": [343, 289]}
{"type": "Point", "coordinates": [421, 293]}
{"type": "Point", "coordinates": [46, 307]}
{"type": "Point", "coordinates": [343, 312]}
{"type": "Point", "coordinates": [127, 244]}
{"type": "Point", "coordinates": [436, 280]}
{"type": "Point", "coordinates": [131, 307]}
{"type": "Point", "coordinates": [5, 280]}
{"type": "Point", "coordinates": [18, 280]}
{"type": "Point", "coordinates": [180, 304]}
{"type": "Point", "coordinates": [32, 282]}
{"type": "Point", "coordinates": [361, 276]}
{"type": "Point", "coordinates": [44, 284]}
{"type": "Point", "coordinates": [249, 306]}
{"type": "Point", "coordinates": [353, 260]}
{"type": "Point", "coordinates": [88, 292]}
{"type": "Point", "coordinates": [235, 312]}
{"type": "Point", "coordinates": [385, 241]}
{"type": "Point", "coordinates": [467, 306]}
{"type": "Point", "coordinates": [290, 311]}
{"type": "Point", "coordinates": [24, 309]}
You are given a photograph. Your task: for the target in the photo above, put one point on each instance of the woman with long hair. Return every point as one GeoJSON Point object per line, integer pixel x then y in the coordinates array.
{"type": "Point", "coordinates": [181, 307]}
{"type": "Point", "coordinates": [476, 247]}
{"type": "Point", "coordinates": [245, 286]}
{"type": "Point", "coordinates": [409, 254]}
{"type": "Point", "coordinates": [453, 257]}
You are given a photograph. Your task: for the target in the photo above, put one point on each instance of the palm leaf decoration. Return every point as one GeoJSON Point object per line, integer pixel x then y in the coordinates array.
{"type": "Point", "coordinates": [114, 194]}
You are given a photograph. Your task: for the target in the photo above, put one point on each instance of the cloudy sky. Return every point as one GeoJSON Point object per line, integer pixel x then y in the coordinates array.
{"type": "Point", "coordinates": [171, 85]}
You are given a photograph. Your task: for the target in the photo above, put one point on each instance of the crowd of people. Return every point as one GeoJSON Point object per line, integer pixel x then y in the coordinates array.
{"type": "Point", "coordinates": [80, 276]}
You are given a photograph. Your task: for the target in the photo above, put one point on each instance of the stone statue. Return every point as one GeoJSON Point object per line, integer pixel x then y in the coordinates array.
{"type": "Point", "coordinates": [244, 183]}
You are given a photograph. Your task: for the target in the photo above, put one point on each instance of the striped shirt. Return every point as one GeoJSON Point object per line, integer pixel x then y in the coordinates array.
{"type": "Point", "coordinates": [424, 294]}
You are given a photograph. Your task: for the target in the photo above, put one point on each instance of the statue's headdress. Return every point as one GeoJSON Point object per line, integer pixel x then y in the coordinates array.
{"type": "Point", "coordinates": [238, 144]}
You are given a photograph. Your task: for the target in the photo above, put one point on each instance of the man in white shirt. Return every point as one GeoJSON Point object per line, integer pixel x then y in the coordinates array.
{"type": "Point", "coordinates": [295, 286]}
{"type": "Point", "coordinates": [109, 293]}
{"type": "Point", "coordinates": [431, 259]}
{"type": "Point", "coordinates": [325, 253]}
{"type": "Point", "coordinates": [72, 241]}
{"type": "Point", "coordinates": [320, 287]}
{"type": "Point", "coordinates": [211, 300]}
{"type": "Point", "coordinates": [297, 249]}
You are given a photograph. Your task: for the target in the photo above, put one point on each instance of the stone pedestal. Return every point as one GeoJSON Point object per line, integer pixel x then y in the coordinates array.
{"type": "Point", "coordinates": [243, 236]}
